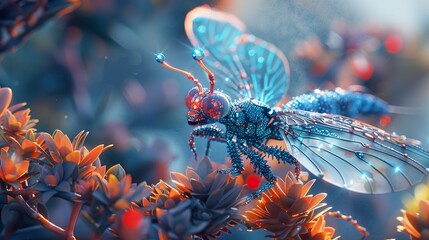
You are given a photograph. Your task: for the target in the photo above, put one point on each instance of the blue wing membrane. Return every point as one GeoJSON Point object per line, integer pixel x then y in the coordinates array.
{"type": "Point", "coordinates": [247, 66]}
{"type": "Point", "coordinates": [352, 154]}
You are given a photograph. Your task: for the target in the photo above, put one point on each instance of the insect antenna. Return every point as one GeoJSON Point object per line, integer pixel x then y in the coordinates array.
{"type": "Point", "coordinates": [349, 219]}
{"type": "Point", "coordinates": [198, 55]}
{"type": "Point", "coordinates": [159, 57]}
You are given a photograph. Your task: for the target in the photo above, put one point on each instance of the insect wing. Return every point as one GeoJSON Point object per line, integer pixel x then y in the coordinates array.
{"type": "Point", "coordinates": [352, 154]}
{"type": "Point", "coordinates": [248, 67]}
{"type": "Point", "coordinates": [264, 70]}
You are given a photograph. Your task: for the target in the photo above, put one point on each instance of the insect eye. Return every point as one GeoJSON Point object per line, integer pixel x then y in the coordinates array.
{"type": "Point", "coordinates": [217, 105]}
{"type": "Point", "coordinates": [190, 96]}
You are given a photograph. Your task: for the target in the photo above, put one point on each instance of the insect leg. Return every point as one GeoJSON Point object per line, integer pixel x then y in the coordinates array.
{"type": "Point", "coordinates": [234, 154]}
{"type": "Point", "coordinates": [349, 219]}
{"type": "Point", "coordinates": [262, 168]}
{"type": "Point", "coordinates": [211, 132]}
{"type": "Point", "coordinates": [281, 155]}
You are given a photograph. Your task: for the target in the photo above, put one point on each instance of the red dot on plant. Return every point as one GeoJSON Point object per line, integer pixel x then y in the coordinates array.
{"type": "Point", "coordinates": [253, 181]}
{"type": "Point", "coordinates": [385, 120]}
{"type": "Point", "coordinates": [393, 44]}
{"type": "Point", "coordinates": [132, 218]}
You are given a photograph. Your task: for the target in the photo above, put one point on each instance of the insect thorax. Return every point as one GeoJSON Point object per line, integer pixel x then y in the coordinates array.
{"type": "Point", "coordinates": [248, 120]}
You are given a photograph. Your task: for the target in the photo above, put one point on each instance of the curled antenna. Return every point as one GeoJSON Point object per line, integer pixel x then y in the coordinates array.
{"type": "Point", "coordinates": [198, 55]}
{"type": "Point", "coordinates": [159, 57]}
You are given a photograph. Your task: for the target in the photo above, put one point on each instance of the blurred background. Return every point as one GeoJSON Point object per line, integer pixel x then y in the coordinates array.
{"type": "Point", "coordinates": [94, 70]}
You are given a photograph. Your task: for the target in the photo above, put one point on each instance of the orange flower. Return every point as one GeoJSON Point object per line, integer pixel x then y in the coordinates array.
{"type": "Point", "coordinates": [416, 224]}
{"type": "Point", "coordinates": [415, 217]}
{"type": "Point", "coordinates": [287, 211]}
{"type": "Point", "coordinates": [26, 149]}
{"type": "Point", "coordinates": [120, 193]}
{"type": "Point", "coordinates": [85, 187]}
{"type": "Point", "coordinates": [12, 168]}
{"type": "Point", "coordinates": [18, 123]}
{"type": "Point", "coordinates": [317, 229]}
{"type": "Point", "coordinates": [61, 149]}
{"type": "Point", "coordinates": [15, 123]}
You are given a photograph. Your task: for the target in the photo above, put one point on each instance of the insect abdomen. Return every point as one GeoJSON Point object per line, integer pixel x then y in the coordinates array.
{"type": "Point", "coordinates": [339, 102]}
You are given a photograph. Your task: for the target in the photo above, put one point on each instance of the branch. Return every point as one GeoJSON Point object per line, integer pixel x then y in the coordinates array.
{"type": "Point", "coordinates": [42, 220]}
{"type": "Point", "coordinates": [73, 218]}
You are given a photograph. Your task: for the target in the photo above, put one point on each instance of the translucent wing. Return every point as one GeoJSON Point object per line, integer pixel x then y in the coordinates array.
{"type": "Point", "coordinates": [249, 67]}
{"type": "Point", "coordinates": [352, 154]}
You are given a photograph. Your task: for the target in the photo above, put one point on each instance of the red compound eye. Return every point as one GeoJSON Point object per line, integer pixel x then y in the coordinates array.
{"type": "Point", "coordinates": [216, 105]}
{"type": "Point", "coordinates": [190, 96]}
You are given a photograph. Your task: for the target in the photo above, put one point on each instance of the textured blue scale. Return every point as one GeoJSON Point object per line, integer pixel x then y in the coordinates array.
{"type": "Point", "coordinates": [339, 101]}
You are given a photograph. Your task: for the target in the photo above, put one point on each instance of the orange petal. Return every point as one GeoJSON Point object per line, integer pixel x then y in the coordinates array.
{"type": "Point", "coordinates": [5, 98]}
{"type": "Point", "coordinates": [74, 157]}
{"type": "Point", "coordinates": [9, 165]}
{"type": "Point", "coordinates": [307, 187]}
{"type": "Point", "coordinates": [93, 155]}
{"type": "Point", "coordinates": [22, 167]}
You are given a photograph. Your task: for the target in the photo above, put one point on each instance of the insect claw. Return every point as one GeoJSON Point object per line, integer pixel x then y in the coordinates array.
{"type": "Point", "coordinates": [208, 147]}
{"type": "Point", "coordinates": [192, 146]}
{"type": "Point", "coordinates": [297, 171]}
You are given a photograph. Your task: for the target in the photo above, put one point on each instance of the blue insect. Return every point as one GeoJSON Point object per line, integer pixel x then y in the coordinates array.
{"type": "Point", "coordinates": [318, 135]}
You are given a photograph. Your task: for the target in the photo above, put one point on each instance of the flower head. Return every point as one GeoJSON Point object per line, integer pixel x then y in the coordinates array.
{"type": "Point", "coordinates": [218, 195]}
{"type": "Point", "coordinates": [61, 149]}
{"type": "Point", "coordinates": [13, 168]}
{"type": "Point", "coordinates": [14, 123]}
{"type": "Point", "coordinates": [57, 179]}
{"type": "Point", "coordinates": [118, 194]}
{"type": "Point", "coordinates": [415, 217]}
{"type": "Point", "coordinates": [85, 187]}
{"type": "Point", "coordinates": [181, 220]}
{"type": "Point", "coordinates": [287, 211]}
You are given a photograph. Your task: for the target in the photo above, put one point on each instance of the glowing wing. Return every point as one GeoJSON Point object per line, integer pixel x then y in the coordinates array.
{"type": "Point", "coordinates": [249, 67]}
{"type": "Point", "coordinates": [352, 154]}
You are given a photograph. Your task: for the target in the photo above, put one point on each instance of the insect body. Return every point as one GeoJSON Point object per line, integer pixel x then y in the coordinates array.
{"type": "Point", "coordinates": [343, 151]}
{"type": "Point", "coordinates": [339, 101]}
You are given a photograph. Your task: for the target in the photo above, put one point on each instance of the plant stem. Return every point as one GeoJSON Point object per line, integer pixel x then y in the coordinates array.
{"type": "Point", "coordinates": [17, 192]}
{"type": "Point", "coordinates": [73, 219]}
{"type": "Point", "coordinates": [97, 235]}
{"type": "Point", "coordinates": [42, 220]}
